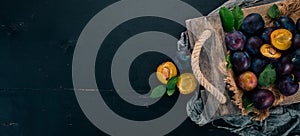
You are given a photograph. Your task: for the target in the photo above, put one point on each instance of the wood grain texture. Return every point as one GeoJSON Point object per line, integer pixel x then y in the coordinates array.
{"type": "Point", "coordinates": [195, 30]}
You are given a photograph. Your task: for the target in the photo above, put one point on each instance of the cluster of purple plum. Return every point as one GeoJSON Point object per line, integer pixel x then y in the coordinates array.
{"type": "Point", "coordinates": [255, 47]}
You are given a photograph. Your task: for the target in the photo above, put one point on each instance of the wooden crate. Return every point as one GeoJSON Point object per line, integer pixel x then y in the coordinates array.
{"type": "Point", "coordinates": [195, 29]}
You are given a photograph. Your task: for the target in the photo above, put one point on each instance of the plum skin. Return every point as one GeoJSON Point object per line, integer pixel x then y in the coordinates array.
{"type": "Point", "coordinates": [296, 59]}
{"type": "Point", "coordinates": [296, 42]}
{"type": "Point", "coordinates": [252, 24]}
{"type": "Point", "coordinates": [247, 81]}
{"type": "Point", "coordinates": [285, 22]}
{"type": "Point", "coordinates": [253, 45]}
{"type": "Point", "coordinates": [265, 36]}
{"type": "Point", "coordinates": [235, 40]}
{"type": "Point", "coordinates": [262, 98]}
{"type": "Point", "coordinates": [241, 61]}
{"type": "Point", "coordinates": [298, 25]}
{"type": "Point", "coordinates": [285, 66]}
{"type": "Point", "coordinates": [287, 86]}
{"type": "Point", "coordinates": [296, 74]}
{"type": "Point", "coordinates": [258, 65]}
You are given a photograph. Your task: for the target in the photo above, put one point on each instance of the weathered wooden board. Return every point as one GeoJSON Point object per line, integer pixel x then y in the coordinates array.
{"type": "Point", "coordinates": [196, 27]}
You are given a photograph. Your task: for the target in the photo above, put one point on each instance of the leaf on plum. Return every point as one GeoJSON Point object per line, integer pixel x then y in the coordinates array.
{"type": "Point", "coordinates": [268, 76]}
{"type": "Point", "coordinates": [229, 65]}
{"type": "Point", "coordinates": [227, 19]}
{"type": "Point", "coordinates": [238, 17]}
{"type": "Point", "coordinates": [273, 11]}
{"type": "Point", "coordinates": [247, 103]}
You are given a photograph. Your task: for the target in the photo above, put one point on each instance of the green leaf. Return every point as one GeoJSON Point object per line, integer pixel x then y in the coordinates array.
{"type": "Point", "coordinates": [268, 76]}
{"type": "Point", "coordinates": [247, 103]}
{"type": "Point", "coordinates": [227, 19]}
{"type": "Point", "coordinates": [170, 92]}
{"type": "Point", "coordinates": [229, 64]}
{"type": "Point", "coordinates": [273, 11]}
{"type": "Point", "coordinates": [238, 17]}
{"type": "Point", "coordinates": [172, 83]}
{"type": "Point", "coordinates": [158, 91]}
{"type": "Point", "coordinates": [248, 107]}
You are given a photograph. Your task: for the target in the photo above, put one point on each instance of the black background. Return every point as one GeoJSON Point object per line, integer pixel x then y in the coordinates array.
{"type": "Point", "coordinates": [37, 40]}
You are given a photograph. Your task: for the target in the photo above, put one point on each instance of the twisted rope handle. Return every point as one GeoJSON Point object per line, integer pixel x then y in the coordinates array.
{"type": "Point", "coordinates": [196, 69]}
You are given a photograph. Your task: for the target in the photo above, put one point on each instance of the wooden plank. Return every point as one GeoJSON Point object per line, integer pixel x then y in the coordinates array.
{"type": "Point", "coordinates": [195, 31]}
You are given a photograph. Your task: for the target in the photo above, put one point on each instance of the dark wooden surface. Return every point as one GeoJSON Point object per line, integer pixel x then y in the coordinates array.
{"type": "Point", "coordinates": [37, 39]}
